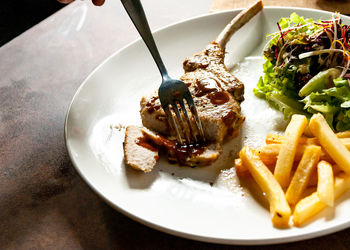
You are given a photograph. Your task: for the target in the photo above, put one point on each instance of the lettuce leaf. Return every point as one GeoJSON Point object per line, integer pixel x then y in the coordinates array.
{"type": "Point", "coordinates": [278, 89]}
{"type": "Point", "coordinates": [333, 103]}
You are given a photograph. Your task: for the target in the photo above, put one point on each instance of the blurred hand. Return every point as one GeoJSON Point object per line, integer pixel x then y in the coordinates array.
{"type": "Point", "coordinates": [96, 2]}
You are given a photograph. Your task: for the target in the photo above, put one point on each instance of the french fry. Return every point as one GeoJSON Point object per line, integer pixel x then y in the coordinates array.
{"type": "Point", "coordinates": [302, 175]}
{"type": "Point", "coordinates": [279, 208]}
{"type": "Point", "coordinates": [268, 154]}
{"type": "Point", "coordinates": [330, 142]}
{"type": "Point", "coordinates": [311, 205]}
{"type": "Point", "coordinates": [277, 139]}
{"type": "Point", "coordinates": [344, 134]}
{"type": "Point", "coordinates": [241, 171]}
{"type": "Point", "coordinates": [312, 181]}
{"type": "Point", "coordinates": [289, 145]}
{"type": "Point", "coordinates": [325, 185]}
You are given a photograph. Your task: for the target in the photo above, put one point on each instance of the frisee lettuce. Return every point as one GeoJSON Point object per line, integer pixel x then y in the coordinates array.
{"type": "Point", "coordinates": [278, 85]}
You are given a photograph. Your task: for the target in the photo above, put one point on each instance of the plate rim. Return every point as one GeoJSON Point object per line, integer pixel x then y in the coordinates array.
{"type": "Point", "coordinates": [191, 236]}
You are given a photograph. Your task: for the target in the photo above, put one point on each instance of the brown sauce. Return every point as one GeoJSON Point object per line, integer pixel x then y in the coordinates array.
{"type": "Point", "coordinates": [143, 142]}
{"type": "Point", "coordinates": [178, 151]}
{"type": "Point", "coordinates": [212, 88]}
{"type": "Point", "coordinates": [219, 98]}
{"type": "Point", "coordinates": [152, 105]}
{"type": "Point", "coordinates": [229, 120]}
{"type": "Point", "coordinates": [182, 152]}
{"type": "Point", "coordinates": [230, 130]}
{"type": "Point", "coordinates": [206, 86]}
{"type": "Point", "coordinates": [154, 99]}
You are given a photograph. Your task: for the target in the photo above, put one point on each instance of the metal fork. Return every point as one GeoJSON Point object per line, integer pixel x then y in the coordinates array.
{"type": "Point", "coordinates": [171, 92]}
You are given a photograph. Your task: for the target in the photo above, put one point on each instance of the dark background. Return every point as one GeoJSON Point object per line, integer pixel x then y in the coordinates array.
{"type": "Point", "coordinates": [18, 16]}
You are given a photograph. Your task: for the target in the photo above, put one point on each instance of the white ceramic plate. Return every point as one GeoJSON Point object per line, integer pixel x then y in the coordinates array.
{"type": "Point", "coordinates": [209, 203]}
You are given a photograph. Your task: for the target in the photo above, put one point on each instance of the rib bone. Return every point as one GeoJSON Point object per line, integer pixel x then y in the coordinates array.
{"type": "Point", "coordinates": [242, 18]}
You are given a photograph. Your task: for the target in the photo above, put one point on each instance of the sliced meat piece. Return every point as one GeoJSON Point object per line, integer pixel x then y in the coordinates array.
{"type": "Point", "coordinates": [138, 153]}
{"type": "Point", "coordinates": [189, 155]}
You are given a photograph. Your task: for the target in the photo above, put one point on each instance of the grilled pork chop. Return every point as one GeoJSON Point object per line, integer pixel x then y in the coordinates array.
{"type": "Point", "coordinates": [217, 95]}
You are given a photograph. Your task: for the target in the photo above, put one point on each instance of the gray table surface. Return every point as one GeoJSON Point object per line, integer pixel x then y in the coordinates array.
{"type": "Point", "coordinates": [43, 201]}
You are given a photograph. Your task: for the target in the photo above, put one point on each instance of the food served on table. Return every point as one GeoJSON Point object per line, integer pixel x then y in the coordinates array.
{"type": "Point", "coordinates": [217, 95]}
{"type": "Point", "coordinates": [306, 69]}
{"type": "Point", "coordinates": [321, 161]}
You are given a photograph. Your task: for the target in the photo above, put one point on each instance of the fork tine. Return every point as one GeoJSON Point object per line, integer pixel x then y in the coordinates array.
{"type": "Point", "coordinates": [194, 113]}
{"type": "Point", "coordinates": [179, 118]}
{"type": "Point", "coordinates": [197, 122]}
{"type": "Point", "coordinates": [173, 123]}
{"type": "Point", "coordinates": [188, 120]}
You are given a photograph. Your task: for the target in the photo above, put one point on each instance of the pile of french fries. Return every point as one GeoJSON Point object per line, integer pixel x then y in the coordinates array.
{"type": "Point", "coordinates": [289, 167]}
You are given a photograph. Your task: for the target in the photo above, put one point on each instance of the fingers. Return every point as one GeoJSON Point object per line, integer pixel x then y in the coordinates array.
{"type": "Point", "coordinates": [65, 1]}
{"type": "Point", "coordinates": [95, 2]}
{"type": "Point", "coordinates": [98, 2]}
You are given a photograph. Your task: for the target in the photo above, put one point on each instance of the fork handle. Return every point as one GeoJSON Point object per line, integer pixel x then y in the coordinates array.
{"type": "Point", "coordinates": [138, 17]}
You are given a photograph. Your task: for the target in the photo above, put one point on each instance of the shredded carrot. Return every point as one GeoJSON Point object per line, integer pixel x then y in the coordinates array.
{"type": "Point", "coordinates": [337, 41]}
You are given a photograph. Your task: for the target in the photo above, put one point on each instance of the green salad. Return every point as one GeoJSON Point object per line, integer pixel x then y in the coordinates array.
{"type": "Point", "coordinates": [306, 69]}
